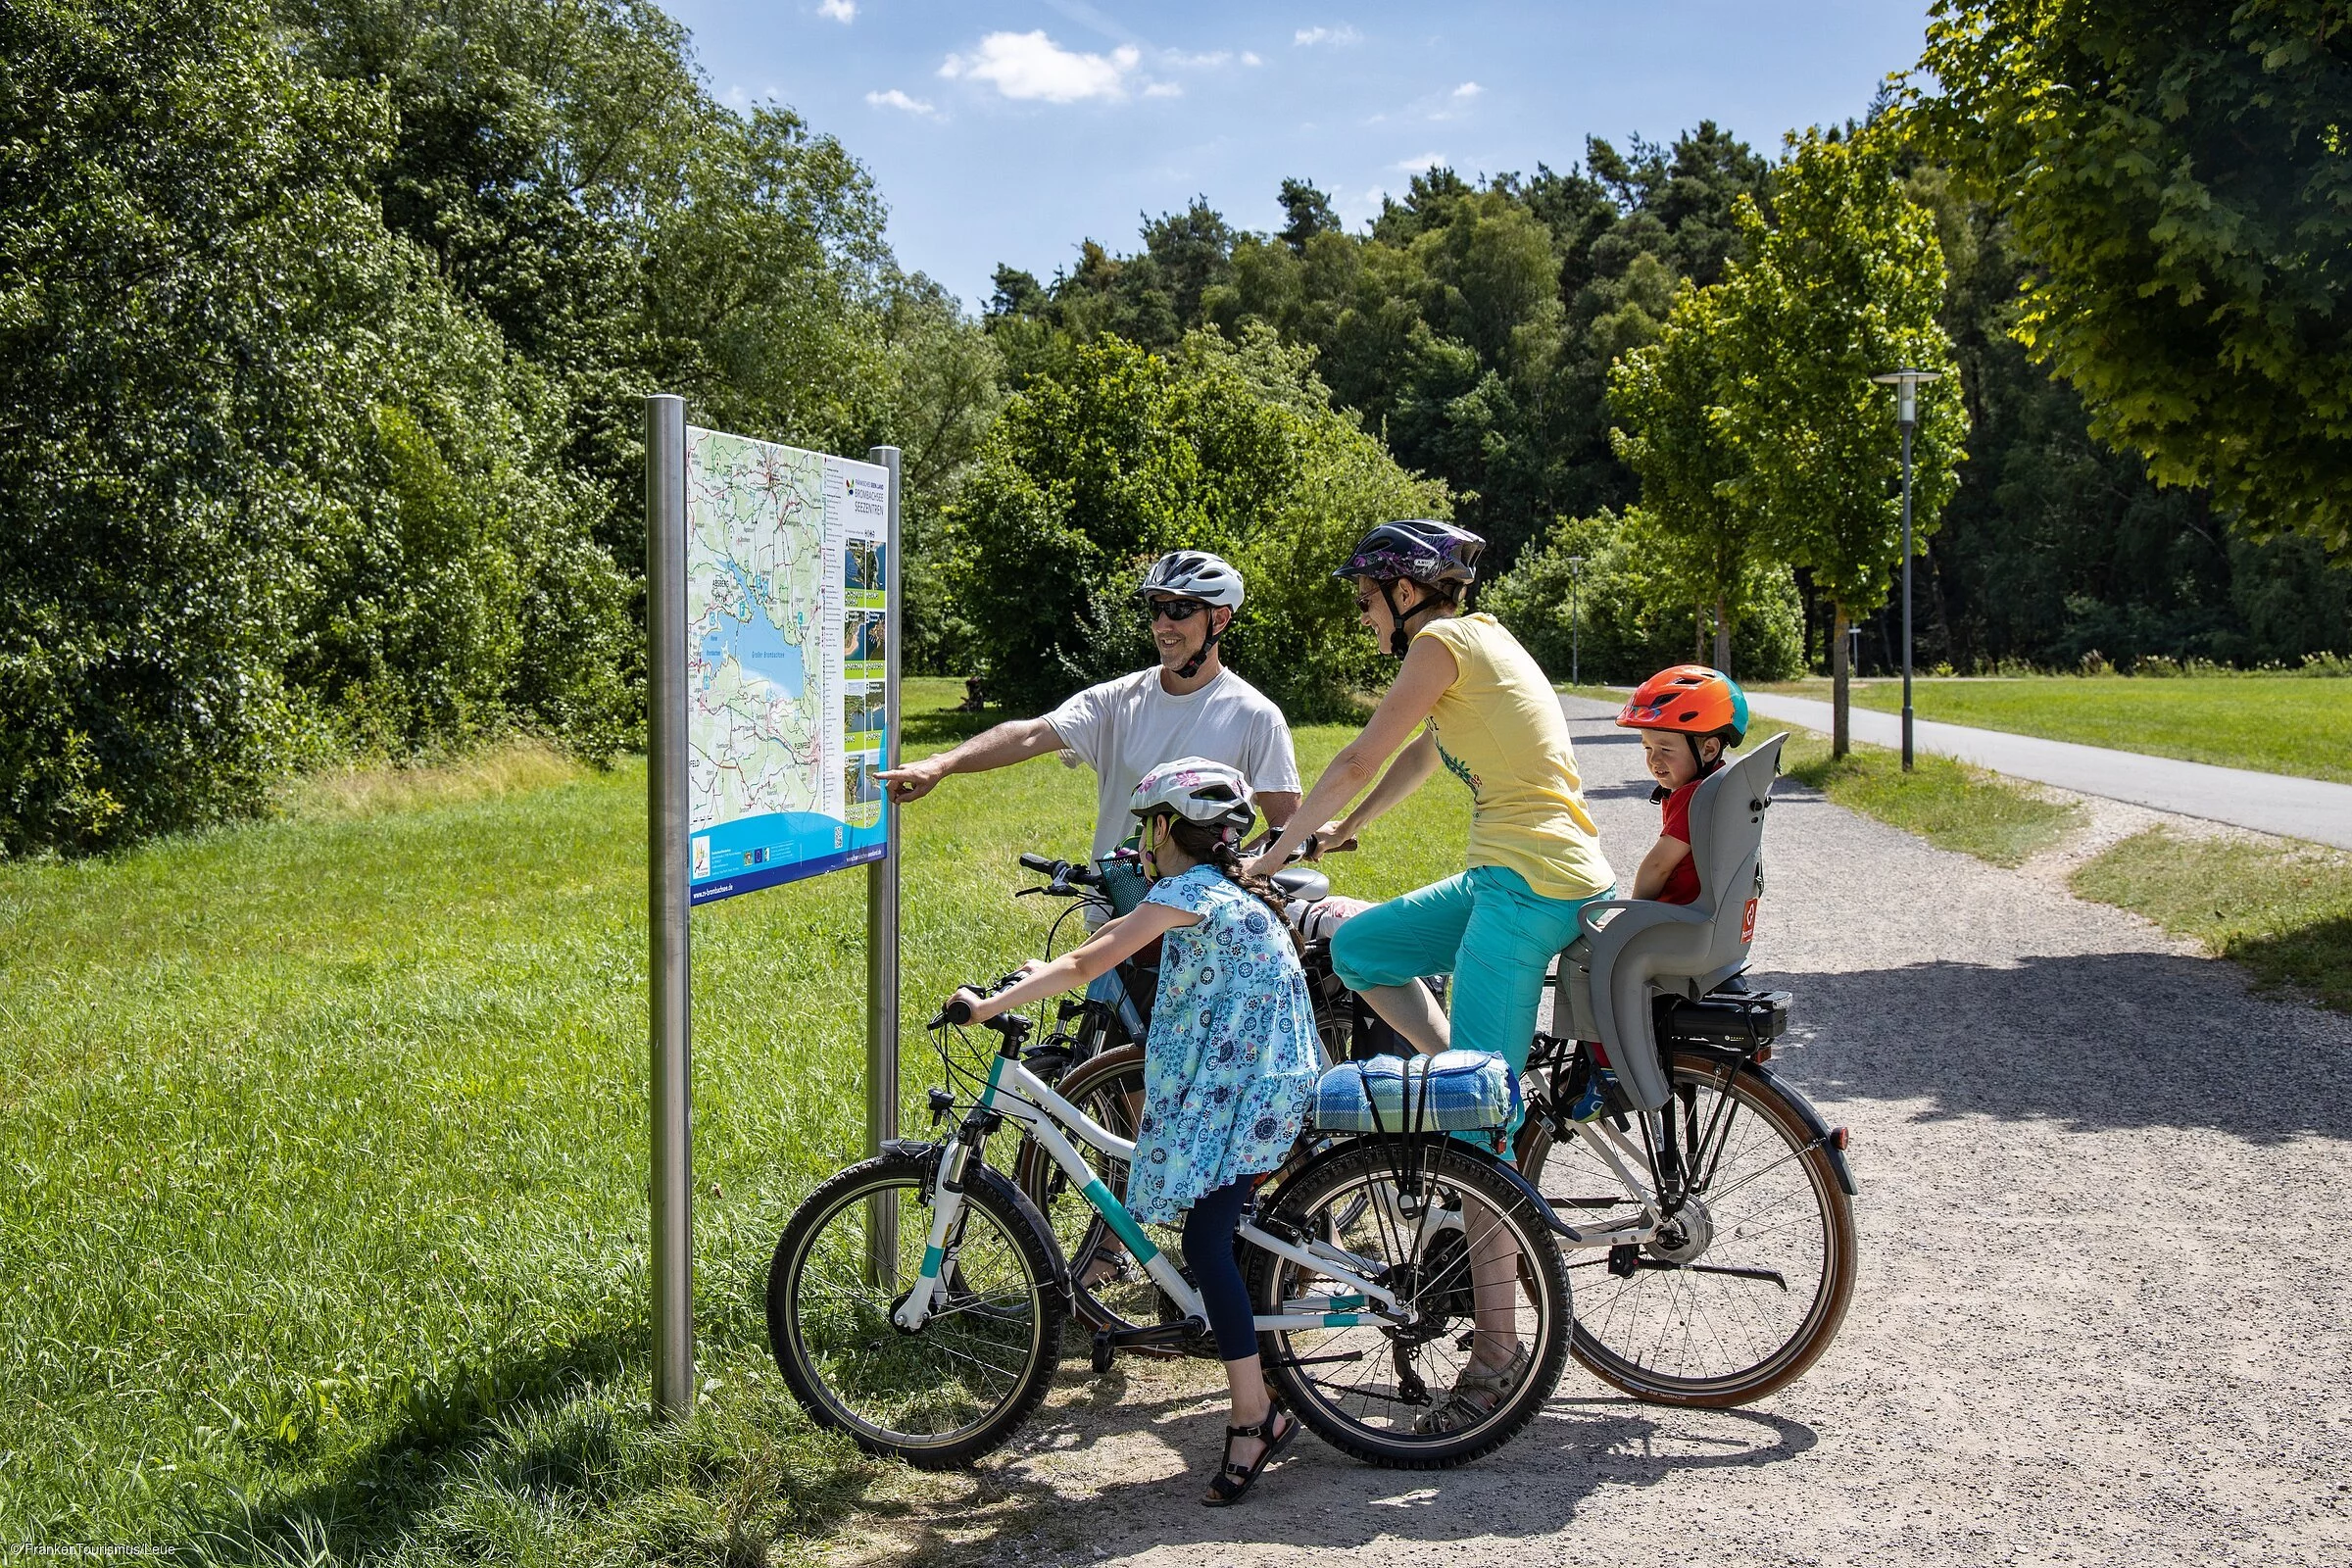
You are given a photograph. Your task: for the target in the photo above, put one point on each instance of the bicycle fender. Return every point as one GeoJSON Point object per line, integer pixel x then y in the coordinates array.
{"type": "Point", "coordinates": [1814, 1125]}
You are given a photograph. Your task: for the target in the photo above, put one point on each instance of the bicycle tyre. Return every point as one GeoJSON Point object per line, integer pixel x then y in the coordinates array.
{"type": "Point", "coordinates": [1347, 1175]}
{"type": "Point", "coordinates": [1604, 1336]}
{"type": "Point", "coordinates": [828, 1348]}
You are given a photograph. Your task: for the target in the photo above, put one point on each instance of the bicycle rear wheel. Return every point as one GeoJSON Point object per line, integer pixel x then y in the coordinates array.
{"type": "Point", "coordinates": [951, 1390]}
{"type": "Point", "coordinates": [1368, 1388]}
{"type": "Point", "coordinates": [1748, 1285]}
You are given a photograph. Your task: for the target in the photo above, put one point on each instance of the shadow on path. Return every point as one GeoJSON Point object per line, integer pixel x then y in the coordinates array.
{"type": "Point", "coordinates": [2094, 1041]}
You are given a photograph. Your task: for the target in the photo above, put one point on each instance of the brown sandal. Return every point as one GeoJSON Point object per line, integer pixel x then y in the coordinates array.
{"type": "Point", "coordinates": [1232, 1481]}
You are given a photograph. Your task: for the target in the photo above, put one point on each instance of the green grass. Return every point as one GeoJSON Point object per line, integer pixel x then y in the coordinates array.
{"type": "Point", "coordinates": [2295, 724]}
{"type": "Point", "coordinates": [2283, 912]}
{"type": "Point", "coordinates": [323, 1224]}
{"type": "Point", "coordinates": [1949, 804]}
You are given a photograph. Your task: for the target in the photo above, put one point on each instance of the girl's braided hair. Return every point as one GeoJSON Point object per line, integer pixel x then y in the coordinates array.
{"type": "Point", "coordinates": [1205, 841]}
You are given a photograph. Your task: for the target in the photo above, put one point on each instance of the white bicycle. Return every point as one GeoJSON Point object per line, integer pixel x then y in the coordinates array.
{"type": "Point", "coordinates": [937, 1350]}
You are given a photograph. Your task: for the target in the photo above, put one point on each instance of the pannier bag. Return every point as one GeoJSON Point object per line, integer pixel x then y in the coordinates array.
{"type": "Point", "coordinates": [1455, 1090]}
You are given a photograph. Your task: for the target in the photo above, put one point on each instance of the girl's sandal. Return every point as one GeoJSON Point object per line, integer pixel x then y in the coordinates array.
{"type": "Point", "coordinates": [1232, 1481]}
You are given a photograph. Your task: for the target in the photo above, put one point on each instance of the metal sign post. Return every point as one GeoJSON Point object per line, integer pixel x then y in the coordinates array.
{"type": "Point", "coordinates": [764, 598]}
{"type": "Point", "coordinates": [666, 906]}
{"type": "Point", "coordinates": [882, 927]}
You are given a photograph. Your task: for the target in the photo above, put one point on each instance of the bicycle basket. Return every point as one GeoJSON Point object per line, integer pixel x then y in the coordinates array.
{"type": "Point", "coordinates": [1455, 1090]}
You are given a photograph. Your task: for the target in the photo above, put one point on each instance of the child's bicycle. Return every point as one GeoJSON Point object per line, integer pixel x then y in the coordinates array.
{"type": "Point", "coordinates": [1355, 1260]}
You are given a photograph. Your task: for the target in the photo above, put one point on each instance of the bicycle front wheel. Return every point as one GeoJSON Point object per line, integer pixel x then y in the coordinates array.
{"type": "Point", "coordinates": [1748, 1285]}
{"type": "Point", "coordinates": [1381, 1390]}
{"type": "Point", "coordinates": [958, 1386]}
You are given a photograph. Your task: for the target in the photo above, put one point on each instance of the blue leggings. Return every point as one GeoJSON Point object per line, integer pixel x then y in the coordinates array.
{"type": "Point", "coordinates": [1208, 1233]}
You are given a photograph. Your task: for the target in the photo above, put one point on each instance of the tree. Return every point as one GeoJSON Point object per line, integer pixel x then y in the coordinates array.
{"type": "Point", "coordinates": [1847, 285]}
{"type": "Point", "coordinates": [2180, 178]}
{"type": "Point", "coordinates": [1695, 488]}
{"type": "Point", "coordinates": [1233, 448]}
{"type": "Point", "coordinates": [1307, 212]}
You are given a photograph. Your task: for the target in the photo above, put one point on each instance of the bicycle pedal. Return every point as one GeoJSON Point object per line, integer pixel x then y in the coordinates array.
{"type": "Point", "coordinates": [1104, 1350]}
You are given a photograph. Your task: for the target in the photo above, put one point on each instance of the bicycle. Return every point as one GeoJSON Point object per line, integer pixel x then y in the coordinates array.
{"type": "Point", "coordinates": [1722, 1219]}
{"type": "Point", "coordinates": [1356, 1264]}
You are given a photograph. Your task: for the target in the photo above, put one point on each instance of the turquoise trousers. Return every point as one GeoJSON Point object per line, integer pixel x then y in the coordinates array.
{"type": "Point", "coordinates": [1488, 930]}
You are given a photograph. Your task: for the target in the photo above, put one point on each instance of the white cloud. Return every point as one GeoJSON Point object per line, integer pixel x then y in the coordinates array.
{"type": "Point", "coordinates": [1250, 59]}
{"type": "Point", "coordinates": [1163, 90]}
{"type": "Point", "coordinates": [1419, 162]}
{"type": "Point", "coordinates": [895, 99]}
{"type": "Point", "coordinates": [1308, 37]}
{"type": "Point", "coordinates": [1214, 57]}
{"type": "Point", "coordinates": [1030, 65]}
{"type": "Point", "coordinates": [841, 11]}
{"type": "Point", "coordinates": [1467, 91]}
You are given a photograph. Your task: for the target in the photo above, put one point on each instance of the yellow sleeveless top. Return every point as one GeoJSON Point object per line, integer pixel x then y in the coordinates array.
{"type": "Point", "coordinates": [1501, 731]}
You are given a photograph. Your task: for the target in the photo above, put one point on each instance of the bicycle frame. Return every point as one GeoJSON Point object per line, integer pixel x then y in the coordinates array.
{"type": "Point", "coordinates": [1021, 1097]}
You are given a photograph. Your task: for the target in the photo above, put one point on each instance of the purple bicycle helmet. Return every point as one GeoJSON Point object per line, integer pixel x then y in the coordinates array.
{"type": "Point", "coordinates": [1435, 555]}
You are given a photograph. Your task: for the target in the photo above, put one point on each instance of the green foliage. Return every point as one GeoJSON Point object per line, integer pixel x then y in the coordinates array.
{"type": "Point", "coordinates": [1697, 491]}
{"type": "Point", "coordinates": [1633, 612]}
{"type": "Point", "coordinates": [1095, 469]}
{"type": "Point", "coordinates": [326, 325]}
{"type": "Point", "coordinates": [268, 491]}
{"type": "Point", "coordinates": [1847, 283]}
{"type": "Point", "coordinates": [2180, 178]}
{"type": "Point", "coordinates": [1472, 329]}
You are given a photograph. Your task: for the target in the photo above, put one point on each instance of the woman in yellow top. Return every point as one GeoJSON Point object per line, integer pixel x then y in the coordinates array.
{"type": "Point", "coordinates": [1489, 715]}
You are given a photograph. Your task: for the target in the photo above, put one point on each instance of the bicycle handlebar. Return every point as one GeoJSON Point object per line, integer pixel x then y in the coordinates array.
{"type": "Point", "coordinates": [1063, 877]}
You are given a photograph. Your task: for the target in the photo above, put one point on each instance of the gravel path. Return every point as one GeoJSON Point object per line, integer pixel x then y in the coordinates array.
{"type": "Point", "coordinates": [2102, 1315]}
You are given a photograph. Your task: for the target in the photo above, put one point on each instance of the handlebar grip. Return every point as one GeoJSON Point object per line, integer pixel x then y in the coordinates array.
{"type": "Point", "coordinates": [1038, 862]}
{"type": "Point", "coordinates": [956, 1012]}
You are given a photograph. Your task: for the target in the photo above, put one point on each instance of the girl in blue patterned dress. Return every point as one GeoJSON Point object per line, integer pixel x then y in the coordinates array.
{"type": "Point", "coordinates": [1229, 1067]}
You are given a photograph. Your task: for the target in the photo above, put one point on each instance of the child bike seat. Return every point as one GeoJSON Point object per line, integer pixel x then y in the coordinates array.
{"type": "Point", "coordinates": [1609, 975]}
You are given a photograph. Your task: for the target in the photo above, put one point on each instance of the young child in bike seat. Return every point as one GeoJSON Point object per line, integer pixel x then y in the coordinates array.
{"type": "Point", "coordinates": [1229, 1067]}
{"type": "Point", "coordinates": [1688, 716]}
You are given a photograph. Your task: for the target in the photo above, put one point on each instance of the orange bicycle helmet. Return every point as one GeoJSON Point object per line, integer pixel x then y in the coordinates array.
{"type": "Point", "coordinates": [1689, 700]}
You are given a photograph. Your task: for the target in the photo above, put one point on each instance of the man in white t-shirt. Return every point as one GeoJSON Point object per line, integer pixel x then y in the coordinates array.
{"type": "Point", "coordinates": [1190, 706]}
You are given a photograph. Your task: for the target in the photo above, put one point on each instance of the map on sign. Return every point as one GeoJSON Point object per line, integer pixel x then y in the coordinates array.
{"type": "Point", "coordinates": [787, 615]}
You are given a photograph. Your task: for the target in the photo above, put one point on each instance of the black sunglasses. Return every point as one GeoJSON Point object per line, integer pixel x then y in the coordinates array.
{"type": "Point", "coordinates": [1176, 610]}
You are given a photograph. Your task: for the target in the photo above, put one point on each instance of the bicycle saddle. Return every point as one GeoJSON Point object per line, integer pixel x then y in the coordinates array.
{"type": "Point", "coordinates": [1300, 883]}
{"type": "Point", "coordinates": [1609, 973]}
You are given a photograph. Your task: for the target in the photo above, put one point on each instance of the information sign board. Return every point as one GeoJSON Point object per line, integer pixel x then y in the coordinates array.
{"type": "Point", "coordinates": [787, 610]}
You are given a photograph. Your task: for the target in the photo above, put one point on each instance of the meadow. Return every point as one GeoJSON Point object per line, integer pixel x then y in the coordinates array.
{"type": "Point", "coordinates": [326, 1230]}
{"type": "Point", "coordinates": [2272, 723]}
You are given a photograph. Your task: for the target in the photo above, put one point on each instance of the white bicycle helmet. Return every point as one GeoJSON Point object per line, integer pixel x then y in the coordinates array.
{"type": "Point", "coordinates": [1199, 791]}
{"type": "Point", "coordinates": [1193, 575]}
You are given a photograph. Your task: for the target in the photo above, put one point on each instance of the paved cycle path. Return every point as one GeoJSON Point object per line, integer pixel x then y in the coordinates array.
{"type": "Point", "coordinates": [2102, 1315]}
{"type": "Point", "coordinates": [2268, 803]}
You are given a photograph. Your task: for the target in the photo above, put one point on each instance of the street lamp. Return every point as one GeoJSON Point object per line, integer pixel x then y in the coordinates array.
{"type": "Point", "coordinates": [1906, 384]}
{"type": "Point", "coordinates": [1576, 573]}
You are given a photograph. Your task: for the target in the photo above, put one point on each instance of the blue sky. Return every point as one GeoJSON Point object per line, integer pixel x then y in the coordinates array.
{"type": "Point", "coordinates": [1007, 131]}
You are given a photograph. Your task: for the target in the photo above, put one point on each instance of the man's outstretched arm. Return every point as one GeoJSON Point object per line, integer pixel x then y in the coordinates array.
{"type": "Point", "coordinates": [1016, 740]}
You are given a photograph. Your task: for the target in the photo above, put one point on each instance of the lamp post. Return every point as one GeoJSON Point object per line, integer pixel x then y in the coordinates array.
{"type": "Point", "coordinates": [1906, 384]}
{"type": "Point", "coordinates": [1575, 574]}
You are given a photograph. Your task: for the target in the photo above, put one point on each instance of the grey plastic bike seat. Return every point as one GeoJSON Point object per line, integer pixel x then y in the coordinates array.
{"type": "Point", "coordinates": [1609, 975]}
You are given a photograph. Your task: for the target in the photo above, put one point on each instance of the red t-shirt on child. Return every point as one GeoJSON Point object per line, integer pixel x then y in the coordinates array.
{"type": "Point", "coordinates": [1681, 883]}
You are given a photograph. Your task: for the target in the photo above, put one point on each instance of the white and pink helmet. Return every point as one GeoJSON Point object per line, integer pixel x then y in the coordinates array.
{"type": "Point", "coordinates": [1197, 790]}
